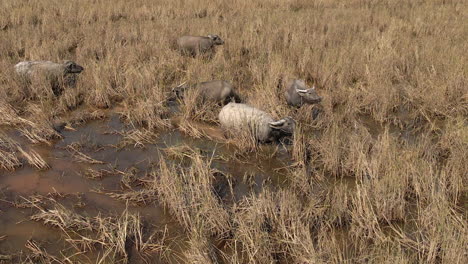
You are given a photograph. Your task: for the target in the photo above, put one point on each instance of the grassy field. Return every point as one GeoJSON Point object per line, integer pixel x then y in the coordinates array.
{"type": "Point", "coordinates": [379, 177]}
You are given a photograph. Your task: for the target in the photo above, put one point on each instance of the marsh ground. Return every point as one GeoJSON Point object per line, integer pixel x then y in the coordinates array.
{"type": "Point", "coordinates": [379, 177]}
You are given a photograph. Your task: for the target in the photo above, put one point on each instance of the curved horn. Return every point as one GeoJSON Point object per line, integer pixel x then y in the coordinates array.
{"type": "Point", "coordinates": [68, 127]}
{"type": "Point", "coordinates": [277, 123]}
{"type": "Point", "coordinates": [182, 84]}
{"type": "Point", "coordinates": [301, 90]}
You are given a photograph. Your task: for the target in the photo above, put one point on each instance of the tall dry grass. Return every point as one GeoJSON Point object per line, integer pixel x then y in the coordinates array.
{"type": "Point", "coordinates": [393, 75]}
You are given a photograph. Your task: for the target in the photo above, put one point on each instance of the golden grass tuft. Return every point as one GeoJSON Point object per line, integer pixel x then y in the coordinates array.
{"type": "Point", "coordinates": [8, 157]}
{"type": "Point", "coordinates": [114, 236]}
{"type": "Point", "coordinates": [188, 193]}
{"type": "Point", "coordinates": [137, 138]}
{"type": "Point", "coordinates": [34, 158]}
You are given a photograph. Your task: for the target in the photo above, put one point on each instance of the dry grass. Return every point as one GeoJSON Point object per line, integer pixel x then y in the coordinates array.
{"type": "Point", "coordinates": [12, 154]}
{"type": "Point", "coordinates": [188, 193]}
{"type": "Point", "coordinates": [34, 158]}
{"type": "Point", "coordinates": [97, 174]}
{"type": "Point", "coordinates": [137, 138]}
{"type": "Point", "coordinates": [115, 237]}
{"type": "Point", "coordinates": [37, 127]}
{"type": "Point", "coordinates": [8, 158]}
{"type": "Point", "coordinates": [393, 75]}
{"type": "Point", "coordinates": [75, 148]}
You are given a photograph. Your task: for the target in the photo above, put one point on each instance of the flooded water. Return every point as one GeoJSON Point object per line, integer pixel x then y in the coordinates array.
{"type": "Point", "coordinates": [89, 164]}
{"type": "Point", "coordinates": [67, 183]}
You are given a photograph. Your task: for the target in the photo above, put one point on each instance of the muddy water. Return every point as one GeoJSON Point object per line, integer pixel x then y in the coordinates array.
{"type": "Point", "coordinates": [101, 140]}
{"type": "Point", "coordinates": [65, 180]}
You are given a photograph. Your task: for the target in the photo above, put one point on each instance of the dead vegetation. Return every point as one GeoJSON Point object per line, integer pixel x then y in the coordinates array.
{"type": "Point", "coordinates": [115, 237]}
{"type": "Point", "coordinates": [188, 192]}
{"type": "Point", "coordinates": [375, 173]}
{"type": "Point", "coordinates": [137, 138]}
{"type": "Point", "coordinates": [34, 158]}
{"type": "Point", "coordinates": [79, 156]}
{"type": "Point", "coordinates": [8, 158]}
{"type": "Point", "coordinates": [97, 174]}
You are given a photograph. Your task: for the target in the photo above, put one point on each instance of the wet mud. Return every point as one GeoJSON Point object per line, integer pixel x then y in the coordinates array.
{"type": "Point", "coordinates": [66, 180]}
{"type": "Point", "coordinates": [84, 185]}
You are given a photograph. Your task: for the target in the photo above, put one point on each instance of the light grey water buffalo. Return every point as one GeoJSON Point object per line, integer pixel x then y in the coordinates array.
{"type": "Point", "coordinates": [297, 93]}
{"type": "Point", "coordinates": [236, 117]}
{"type": "Point", "coordinates": [218, 91]}
{"type": "Point", "coordinates": [196, 45]}
{"type": "Point", "coordinates": [58, 74]}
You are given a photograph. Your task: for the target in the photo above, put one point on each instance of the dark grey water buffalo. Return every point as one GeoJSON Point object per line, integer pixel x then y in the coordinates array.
{"type": "Point", "coordinates": [196, 45]}
{"type": "Point", "coordinates": [297, 93]}
{"type": "Point", "coordinates": [241, 117]}
{"type": "Point", "coordinates": [218, 91]}
{"type": "Point", "coordinates": [59, 74]}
